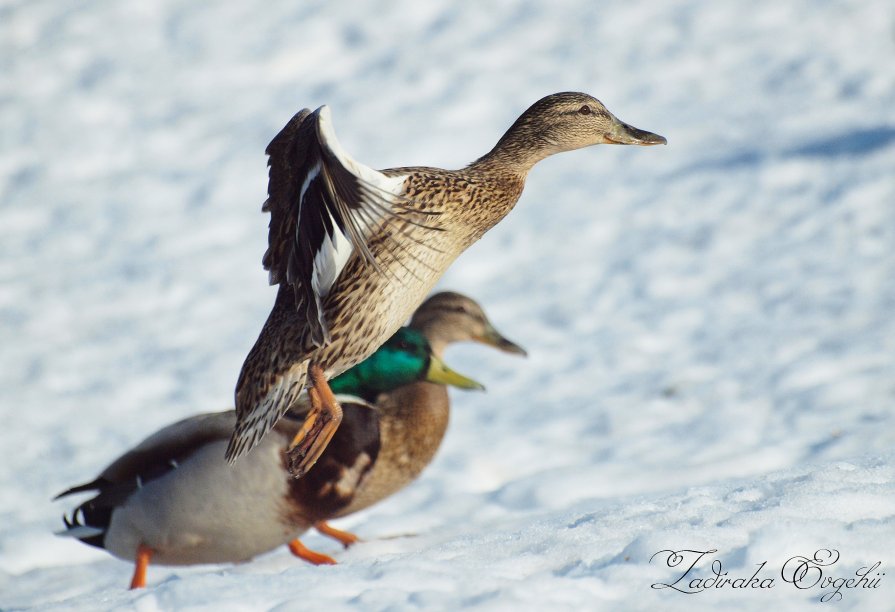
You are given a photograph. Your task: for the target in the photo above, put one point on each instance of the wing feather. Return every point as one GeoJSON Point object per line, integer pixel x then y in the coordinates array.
{"type": "Point", "coordinates": [325, 206]}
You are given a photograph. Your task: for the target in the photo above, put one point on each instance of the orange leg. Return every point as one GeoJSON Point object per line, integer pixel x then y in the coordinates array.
{"type": "Point", "coordinates": [298, 549]}
{"type": "Point", "coordinates": [319, 426]}
{"type": "Point", "coordinates": [347, 539]}
{"type": "Point", "coordinates": [306, 427]}
{"type": "Point", "coordinates": [144, 554]}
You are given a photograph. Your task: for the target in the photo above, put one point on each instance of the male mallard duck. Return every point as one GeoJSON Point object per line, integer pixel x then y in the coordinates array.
{"type": "Point", "coordinates": [413, 418]}
{"type": "Point", "coordinates": [355, 250]}
{"type": "Point", "coordinates": [173, 499]}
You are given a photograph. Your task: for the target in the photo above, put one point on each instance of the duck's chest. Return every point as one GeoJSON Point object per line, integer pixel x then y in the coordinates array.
{"type": "Point", "coordinates": [369, 303]}
{"type": "Point", "coordinates": [464, 206]}
{"type": "Point", "coordinates": [367, 311]}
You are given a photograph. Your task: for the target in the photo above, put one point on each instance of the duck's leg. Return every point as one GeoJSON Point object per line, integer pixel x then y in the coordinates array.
{"type": "Point", "coordinates": [299, 550]}
{"type": "Point", "coordinates": [144, 554]}
{"type": "Point", "coordinates": [346, 538]}
{"type": "Point", "coordinates": [319, 426]}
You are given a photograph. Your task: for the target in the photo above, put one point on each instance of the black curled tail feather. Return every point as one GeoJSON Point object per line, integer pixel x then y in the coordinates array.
{"type": "Point", "coordinates": [90, 520]}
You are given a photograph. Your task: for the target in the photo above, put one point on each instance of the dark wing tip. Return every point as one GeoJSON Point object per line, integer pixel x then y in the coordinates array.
{"type": "Point", "coordinates": [289, 155]}
{"type": "Point", "coordinates": [285, 136]}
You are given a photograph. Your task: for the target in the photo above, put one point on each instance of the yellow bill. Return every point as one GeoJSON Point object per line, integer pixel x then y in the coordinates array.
{"type": "Point", "coordinates": [439, 373]}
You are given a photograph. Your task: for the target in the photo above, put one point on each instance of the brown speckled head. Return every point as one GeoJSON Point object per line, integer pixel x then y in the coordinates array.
{"type": "Point", "coordinates": [563, 122]}
{"type": "Point", "coordinates": [448, 317]}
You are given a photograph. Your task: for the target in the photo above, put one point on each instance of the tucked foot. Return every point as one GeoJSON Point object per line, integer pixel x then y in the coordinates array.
{"type": "Point", "coordinates": [144, 554]}
{"type": "Point", "coordinates": [319, 426]}
{"type": "Point", "coordinates": [346, 538]}
{"type": "Point", "coordinates": [299, 550]}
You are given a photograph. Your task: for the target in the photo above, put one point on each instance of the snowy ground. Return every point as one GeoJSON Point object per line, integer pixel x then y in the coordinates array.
{"type": "Point", "coordinates": [710, 323]}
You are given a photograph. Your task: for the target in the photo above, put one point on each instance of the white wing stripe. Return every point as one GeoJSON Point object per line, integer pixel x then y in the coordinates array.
{"type": "Point", "coordinates": [336, 249]}
{"type": "Point", "coordinates": [329, 260]}
{"type": "Point", "coordinates": [389, 184]}
{"type": "Point", "coordinates": [312, 174]}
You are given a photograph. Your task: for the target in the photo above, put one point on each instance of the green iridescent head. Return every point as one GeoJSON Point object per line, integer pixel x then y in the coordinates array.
{"type": "Point", "coordinates": [404, 358]}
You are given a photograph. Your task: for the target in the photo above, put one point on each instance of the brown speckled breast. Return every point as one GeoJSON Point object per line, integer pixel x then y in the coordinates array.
{"type": "Point", "coordinates": [366, 307]}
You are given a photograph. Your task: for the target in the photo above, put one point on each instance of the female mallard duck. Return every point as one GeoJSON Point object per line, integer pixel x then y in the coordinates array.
{"type": "Point", "coordinates": [173, 499]}
{"type": "Point", "coordinates": [355, 250]}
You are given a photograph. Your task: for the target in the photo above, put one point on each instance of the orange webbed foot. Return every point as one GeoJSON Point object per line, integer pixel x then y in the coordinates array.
{"type": "Point", "coordinates": [319, 427]}
{"type": "Point", "coordinates": [346, 538]}
{"type": "Point", "coordinates": [299, 550]}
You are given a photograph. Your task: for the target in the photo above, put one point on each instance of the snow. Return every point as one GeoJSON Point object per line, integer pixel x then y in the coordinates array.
{"type": "Point", "coordinates": [710, 329]}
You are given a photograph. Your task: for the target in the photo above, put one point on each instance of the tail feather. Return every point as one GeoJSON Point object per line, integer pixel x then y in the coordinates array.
{"type": "Point", "coordinates": [94, 535]}
{"type": "Point", "coordinates": [80, 532]}
{"type": "Point", "coordinates": [256, 419]}
{"type": "Point", "coordinates": [93, 485]}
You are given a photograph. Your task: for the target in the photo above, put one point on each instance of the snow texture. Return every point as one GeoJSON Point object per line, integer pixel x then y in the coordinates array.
{"type": "Point", "coordinates": [710, 324]}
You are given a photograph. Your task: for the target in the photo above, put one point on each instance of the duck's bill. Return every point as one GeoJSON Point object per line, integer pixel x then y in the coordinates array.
{"type": "Point", "coordinates": [492, 337]}
{"type": "Point", "coordinates": [624, 134]}
{"type": "Point", "coordinates": [443, 375]}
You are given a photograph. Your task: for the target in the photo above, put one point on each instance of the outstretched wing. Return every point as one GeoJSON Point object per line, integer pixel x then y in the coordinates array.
{"type": "Point", "coordinates": [324, 208]}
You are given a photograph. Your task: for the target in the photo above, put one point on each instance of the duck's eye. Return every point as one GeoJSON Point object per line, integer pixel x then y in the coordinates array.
{"type": "Point", "coordinates": [584, 110]}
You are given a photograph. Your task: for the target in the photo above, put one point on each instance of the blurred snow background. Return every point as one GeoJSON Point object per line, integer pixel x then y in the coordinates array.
{"type": "Point", "coordinates": [710, 323]}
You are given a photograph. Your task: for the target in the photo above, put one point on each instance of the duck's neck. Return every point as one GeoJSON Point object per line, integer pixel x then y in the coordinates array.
{"type": "Point", "coordinates": [518, 150]}
{"type": "Point", "coordinates": [364, 381]}
{"type": "Point", "coordinates": [383, 371]}
{"type": "Point", "coordinates": [436, 334]}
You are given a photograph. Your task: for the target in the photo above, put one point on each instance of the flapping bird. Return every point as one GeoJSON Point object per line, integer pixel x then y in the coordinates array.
{"type": "Point", "coordinates": [354, 250]}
